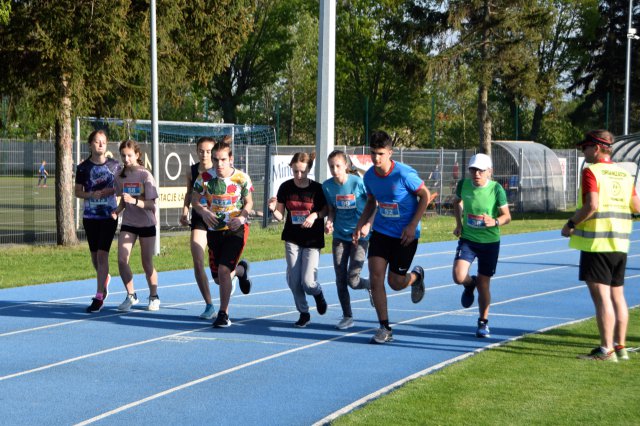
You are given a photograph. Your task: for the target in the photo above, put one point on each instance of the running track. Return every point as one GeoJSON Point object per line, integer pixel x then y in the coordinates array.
{"type": "Point", "coordinates": [60, 365]}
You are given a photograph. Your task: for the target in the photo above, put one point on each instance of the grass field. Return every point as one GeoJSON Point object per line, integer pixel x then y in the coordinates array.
{"type": "Point", "coordinates": [535, 380]}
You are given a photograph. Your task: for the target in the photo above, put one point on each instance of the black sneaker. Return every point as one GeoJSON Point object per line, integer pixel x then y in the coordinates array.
{"type": "Point", "coordinates": [96, 305]}
{"type": "Point", "coordinates": [467, 297]}
{"type": "Point", "coordinates": [321, 304]}
{"type": "Point", "coordinates": [304, 319]}
{"type": "Point", "coordinates": [417, 288]}
{"type": "Point", "coordinates": [244, 281]}
{"type": "Point", "coordinates": [222, 320]}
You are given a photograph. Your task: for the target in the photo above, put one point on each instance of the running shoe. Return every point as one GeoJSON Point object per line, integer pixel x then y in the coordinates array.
{"type": "Point", "coordinates": [417, 288]}
{"type": "Point", "coordinates": [599, 355]}
{"type": "Point", "coordinates": [344, 323]}
{"type": "Point", "coordinates": [483, 329]}
{"type": "Point", "coordinates": [209, 312]}
{"type": "Point", "coordinates": [321, 303]}
{"type": "Point", "coordinates": [621, 353]}
{"type": "Point", "coordinates": [467, 294]}
{"type": "Point", "coordinates": [245, 282]}
{"type": "Point", "coordinates": [382, 336]}
{"type": "Point", "coordinates": [305, 318]}
{"type": "Point", "coordinates": [96, 305]}
{"type": "Point", "coordinates": [129, 301]}
{"type": "Point", "coordinates": [105, 293]}
{"type": "Point", "coordinates": [222, 320]}
{"type": "Point", "coordinates": [154, 303]}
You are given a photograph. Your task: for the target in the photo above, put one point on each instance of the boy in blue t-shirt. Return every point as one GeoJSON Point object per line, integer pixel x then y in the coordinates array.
{"type": "Point", "coordinates": [401, 198]}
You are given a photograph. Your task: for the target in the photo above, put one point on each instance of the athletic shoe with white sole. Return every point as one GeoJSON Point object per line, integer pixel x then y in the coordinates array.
{"type": "Point", "coordinates": [129, 301]}
{"type": "Point", "coordinates": [208, 313]}
{"type": "Point", "coordinates": [344, 323]}
{"type": "Point", "coordinates": [621, 353]}
{"type": "Point", "coordinates": [304, 319]}
{"type": "Point", "coordinates": [599, 355]}
{"type": "Point", "coordinates": [96, 305]}
{"type": "Point", "coordinates": [483, 329]}
{"type": "Point", "coordinates": [382, 336]}
{"type": "Point", "coordinates": [222, 320]}
{"type": "Point", "coordinates": [154, 303]}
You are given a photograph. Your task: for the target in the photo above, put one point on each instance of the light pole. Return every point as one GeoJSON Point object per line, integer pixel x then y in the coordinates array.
{"type": "Point", "coordinates": [631, 35]}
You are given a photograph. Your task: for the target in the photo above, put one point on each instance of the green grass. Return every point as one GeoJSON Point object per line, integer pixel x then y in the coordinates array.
{"type": "Point", "coordinates": [536, 380]}
{"type": "Point", "coordinates": [21, 264]}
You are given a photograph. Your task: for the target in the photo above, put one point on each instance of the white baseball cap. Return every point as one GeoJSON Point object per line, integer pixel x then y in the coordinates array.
{"type": "Point", "coordinates": [480, 161]}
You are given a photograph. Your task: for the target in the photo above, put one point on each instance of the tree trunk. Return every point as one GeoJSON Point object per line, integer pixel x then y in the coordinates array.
{"type": "Point", "coordinates": [484, 119]}
{"type": "Point", "coordinates": [65, 214]}
{"type": "Point", "coordinates": [536, 123]}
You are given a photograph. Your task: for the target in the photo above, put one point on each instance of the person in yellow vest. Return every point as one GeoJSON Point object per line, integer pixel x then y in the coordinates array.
{"type": "Point", "coordinates": [600, 228]}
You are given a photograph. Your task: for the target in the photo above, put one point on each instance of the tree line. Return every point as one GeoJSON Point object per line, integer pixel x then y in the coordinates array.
{"type": "Point", "coordinates": [453, 74]}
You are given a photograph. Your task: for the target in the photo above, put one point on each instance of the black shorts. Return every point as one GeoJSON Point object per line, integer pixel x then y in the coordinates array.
{"type": "Point", "coordinates": [487, 254]}
{"type": "Point", "coordinates": [225, 248]}
{"type": "Point", "coordinates": [142, 232]}
{"type": "Point", "coordinates": [603, 268]}
{"type": "Point", "coordinates": [100, 233]}
{"type": "Point", "coordinates": [197, 222]}
{"type": "Point", "coordinates": [398, 256]}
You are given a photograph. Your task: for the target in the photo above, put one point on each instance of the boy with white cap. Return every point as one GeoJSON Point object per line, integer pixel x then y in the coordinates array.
{"type": "Point", "coordinates": [480, 208]}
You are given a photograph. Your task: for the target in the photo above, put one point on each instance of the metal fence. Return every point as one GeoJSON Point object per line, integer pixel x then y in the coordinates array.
{"type": "Point", "coordinates": [27, 212]}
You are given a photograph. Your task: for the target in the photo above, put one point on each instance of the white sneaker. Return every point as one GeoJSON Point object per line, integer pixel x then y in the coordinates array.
{"type": "Point", "coordinates": [154, 303]}
{"type": "Point", "coordinates": [345, 322]}
{"type": "Point", "coordinates": [129, 301]}
{"type": "Point", "coordinates": [234, 282]}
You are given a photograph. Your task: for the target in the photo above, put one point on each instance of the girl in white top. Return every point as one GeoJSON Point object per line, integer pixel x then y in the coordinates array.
{"type": "Point", "coordinates": [138, 196]}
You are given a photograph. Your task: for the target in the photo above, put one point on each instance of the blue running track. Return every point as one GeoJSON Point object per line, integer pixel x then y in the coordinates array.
{"type": "Point", "coordinates": [60, 365]}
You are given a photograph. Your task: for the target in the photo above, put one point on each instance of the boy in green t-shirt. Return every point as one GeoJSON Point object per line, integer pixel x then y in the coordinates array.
{"type": "Point", "coordinates": [480, 208]}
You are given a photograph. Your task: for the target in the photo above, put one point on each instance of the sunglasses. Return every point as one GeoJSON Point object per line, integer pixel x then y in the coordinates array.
{"type": "Point", "coordinates": [474, 170]}
{"type": "Point", "coordinates": [586, 145]}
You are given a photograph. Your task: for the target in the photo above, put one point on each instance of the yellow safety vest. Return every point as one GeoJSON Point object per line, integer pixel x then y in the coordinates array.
{"type": "Point", "coordinates": [609, 228]}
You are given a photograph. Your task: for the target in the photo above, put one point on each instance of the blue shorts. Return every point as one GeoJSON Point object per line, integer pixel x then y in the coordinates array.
{"type": "Point", "coordinates": [487, 254]}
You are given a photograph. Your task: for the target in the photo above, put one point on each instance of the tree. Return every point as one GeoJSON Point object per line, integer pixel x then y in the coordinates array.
{"type": "Point", "coordinates": [92, 57]}
{"type": "Point", "coordinates": [257, 63]}
{"type": "Point", "coordinates": [5, 11]}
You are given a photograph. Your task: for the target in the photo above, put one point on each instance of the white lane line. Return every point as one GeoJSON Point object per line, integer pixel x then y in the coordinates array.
{"type": "Point", "coordinates": [186, 339]}
{"type": "Point", "coordinates": [382, 391]}
{"type": "Point", "coordinates": [279, 355]}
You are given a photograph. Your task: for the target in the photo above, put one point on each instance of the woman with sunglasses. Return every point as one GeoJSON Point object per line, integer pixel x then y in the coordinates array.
{"type": "Point", "coordinates": [480, 208]}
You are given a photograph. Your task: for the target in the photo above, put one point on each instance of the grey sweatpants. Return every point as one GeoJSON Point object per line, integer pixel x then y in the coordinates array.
{"type": "Point", "coordinates": [348, 260]}
{"type": "Point", "coordinates": [302, 273]}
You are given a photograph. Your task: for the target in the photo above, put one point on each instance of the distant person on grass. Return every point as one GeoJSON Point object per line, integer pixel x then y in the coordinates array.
{"type": "Point", "coordinates": [42, 174]}
{"type": "Point", "coordinates": [346, 196]}
{"type": "Point", "coordinates": [600, 228]}
{"type": "Point", "coordinates": [401, 198]}
{"type": "Point", "coordinates": [303, 234]}
{"type": "Point", "coordinates": [228, 199]}
{"type": "Point", "coordinates": [95, 184]}
{"type": "Point", "coordinates": [198, 240]}
{"type": "Point", "coordinates": [138, 199]}
{"type": "Point", "coordinates": [480, 208]}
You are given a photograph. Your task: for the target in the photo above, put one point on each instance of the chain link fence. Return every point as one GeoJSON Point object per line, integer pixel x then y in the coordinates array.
{"type": "Point", "coordinates": [27, 212]}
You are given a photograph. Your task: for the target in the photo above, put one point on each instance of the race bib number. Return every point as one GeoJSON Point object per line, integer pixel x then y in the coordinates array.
{"type": "Point", "coordinates": [346, 202]}
{"type": "Point", "coordinates": [475, 221]}
{"type": "Point", "coordinates": [389, 209]}
{"type": "Point", "coordinates": [299, 216]}
{"type": "Point", "coordinates": [133, 189]}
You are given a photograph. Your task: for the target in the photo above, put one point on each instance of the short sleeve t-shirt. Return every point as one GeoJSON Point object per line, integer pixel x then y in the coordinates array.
{"type": "Point", "coordinates": [477, 201]}
{"type": "Point", "coordinates": [300, 203]}
{"type": "Point", "coordinates": [140, 184]}
{"type": "Point", "coordinates": [348, 201]}
{"type": "Point", "coordinates": [95, 177]}
{"type": "Point", "coordinates": [396, 196]}
{"type": "Point", "coordinates": [223, 196]}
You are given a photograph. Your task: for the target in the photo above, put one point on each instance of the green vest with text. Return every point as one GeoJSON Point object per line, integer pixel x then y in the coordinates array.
{"type": "Point", "coordinates": [609, 229]}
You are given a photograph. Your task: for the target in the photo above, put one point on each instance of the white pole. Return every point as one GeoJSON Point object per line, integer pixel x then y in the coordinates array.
{"type": "Point", "coordinates": [631, 34]}
{"type": "Point", "coordinates": [326, 87]}
{"type": "Point", "coordinates": [155, 154]}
